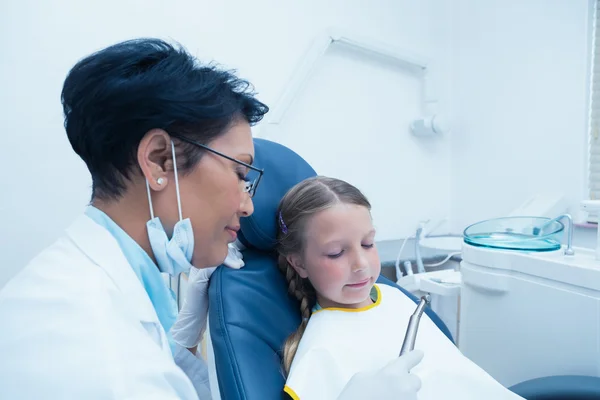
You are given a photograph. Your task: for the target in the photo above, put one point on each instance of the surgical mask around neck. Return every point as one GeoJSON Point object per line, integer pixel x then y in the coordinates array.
{"type": "Point", "coordinates": [173, 255]}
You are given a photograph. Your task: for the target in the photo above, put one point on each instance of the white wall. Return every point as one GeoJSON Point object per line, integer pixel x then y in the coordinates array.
{"type": "Point", "coordinates": [519, 76]}
{"type": "Point", "coordinates": [352, 120]}
{"type": "Point", "coordinates": [513, 74]}
{"type": "Point", "coordinates": [46, 186]}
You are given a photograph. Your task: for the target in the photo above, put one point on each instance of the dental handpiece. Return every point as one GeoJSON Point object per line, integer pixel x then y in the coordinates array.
{"type": "Point", "coordinates": [413, 326]}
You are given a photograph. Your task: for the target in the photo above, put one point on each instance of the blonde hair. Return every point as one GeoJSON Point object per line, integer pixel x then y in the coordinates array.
{"type": "Point", "coordinates": [298, 205]}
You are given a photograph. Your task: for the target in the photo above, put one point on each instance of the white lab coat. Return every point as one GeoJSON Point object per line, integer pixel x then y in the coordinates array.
{"type": "Point", "coordinates": [76, 323]}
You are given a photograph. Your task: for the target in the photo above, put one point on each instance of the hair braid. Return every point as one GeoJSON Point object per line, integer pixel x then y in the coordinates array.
{"type": "Point", "coordinates": [305, 296]}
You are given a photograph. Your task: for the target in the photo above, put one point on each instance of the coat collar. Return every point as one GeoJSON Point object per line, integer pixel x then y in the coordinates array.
{"type": "Point", "coordinates": [102, 248]}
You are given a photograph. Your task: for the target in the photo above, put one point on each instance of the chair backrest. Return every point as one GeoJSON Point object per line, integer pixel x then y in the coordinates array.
{"type": "Point", "coordinates": [250, 311]}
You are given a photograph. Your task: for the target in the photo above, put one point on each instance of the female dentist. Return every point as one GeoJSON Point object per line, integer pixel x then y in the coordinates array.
{"type": "Point", "coordinates": [168, 144]}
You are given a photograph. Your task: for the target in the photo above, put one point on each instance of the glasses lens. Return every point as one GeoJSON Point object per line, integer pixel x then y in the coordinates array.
{"type": "Point", "coordinates": [252, 181]}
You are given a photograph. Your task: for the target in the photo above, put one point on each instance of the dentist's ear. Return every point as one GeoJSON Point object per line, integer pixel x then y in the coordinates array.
{"type": "Point", "coordinates": [155, 159]}
{"type": "Point", "coordinates": [296, 262]}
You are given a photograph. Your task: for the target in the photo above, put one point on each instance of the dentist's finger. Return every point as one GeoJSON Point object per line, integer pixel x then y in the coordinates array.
{"type": "Point", "coordinates": [406, 362]}
{"type": "Point", "coordinates": [413, 382]}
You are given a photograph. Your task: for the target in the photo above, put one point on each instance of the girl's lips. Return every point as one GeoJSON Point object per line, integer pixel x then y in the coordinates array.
{"type": "Point", "coordinates": [359, 284]}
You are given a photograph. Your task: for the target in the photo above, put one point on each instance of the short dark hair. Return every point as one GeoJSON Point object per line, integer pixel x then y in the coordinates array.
{"type": "Point", "coordinates": [113, 97]}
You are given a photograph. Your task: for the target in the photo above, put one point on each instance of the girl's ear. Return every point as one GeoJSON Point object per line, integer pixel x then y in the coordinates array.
{"type": "Point", "coordinates": [296, 262]}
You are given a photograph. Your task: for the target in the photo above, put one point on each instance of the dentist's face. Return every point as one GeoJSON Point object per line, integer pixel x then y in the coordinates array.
{"type": "Point", "coordinates": [213, 193]}
{"type": "Point", "coordinates": [340, 258]}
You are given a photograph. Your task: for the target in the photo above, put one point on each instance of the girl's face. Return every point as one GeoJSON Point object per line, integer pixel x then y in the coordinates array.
{"type": "Point", "coordinates": [340, 258]}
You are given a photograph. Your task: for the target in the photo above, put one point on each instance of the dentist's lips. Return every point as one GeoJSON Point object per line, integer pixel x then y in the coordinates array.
{"type": "Point", "coordinates": [359, 284]}
{"type": "Point", "coordinates": [232, 230]}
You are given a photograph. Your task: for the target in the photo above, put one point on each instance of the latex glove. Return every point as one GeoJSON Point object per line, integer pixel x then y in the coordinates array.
{"type": "Point", "coordinates": [190, 324]}
{"type": "Point", "coordinates": [234, 256]}
{"type": "Point", "coordinates": [392, 382]}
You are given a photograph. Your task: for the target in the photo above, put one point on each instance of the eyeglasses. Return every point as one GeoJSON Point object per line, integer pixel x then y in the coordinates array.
{"type": "Point", "coordinates": [251, 180]}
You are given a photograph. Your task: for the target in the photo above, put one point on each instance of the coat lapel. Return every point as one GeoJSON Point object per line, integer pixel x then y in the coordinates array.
{"type": "Point", "coordinates": [102, 248]}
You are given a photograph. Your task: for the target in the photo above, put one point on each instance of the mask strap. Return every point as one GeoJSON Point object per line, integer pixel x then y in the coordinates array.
{"type": "Point", "coordinates": [176, 187]}
{"type": "Point", "coordinates": [150, 200]}
{"type": "Point", "coordinates": [176, 180]}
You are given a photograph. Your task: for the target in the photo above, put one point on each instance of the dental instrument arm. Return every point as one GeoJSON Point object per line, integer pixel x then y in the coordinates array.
{"type": "Point", "coordinates": [413, 326]}
{"type": "Point", "coordinates": [419, 260]}
{"type": "Point", "coordinates": [397, 265]}
{"type": "Point", "coordinates": [423, 230]}
{"type": "Point", "coordinates": [445, 260]}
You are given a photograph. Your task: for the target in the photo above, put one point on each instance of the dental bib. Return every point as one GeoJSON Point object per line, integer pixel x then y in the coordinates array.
{"type": "Point", "coordinates": [338, 343]}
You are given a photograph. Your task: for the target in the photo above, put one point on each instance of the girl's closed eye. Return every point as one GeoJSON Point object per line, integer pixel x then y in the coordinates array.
{"type": "Point", "coordinates": [335, 255]}
{"type": "Point", "coordinates": [338, 254]}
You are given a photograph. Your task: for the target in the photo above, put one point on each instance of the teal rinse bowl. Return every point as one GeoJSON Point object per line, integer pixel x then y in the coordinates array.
{"type": "Point", "coordinates": [516, 233]}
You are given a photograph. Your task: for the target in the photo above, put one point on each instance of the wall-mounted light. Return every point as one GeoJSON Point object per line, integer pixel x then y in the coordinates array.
{"type": "Point", "coordinates": [429, 126]}
{"type": "Point", "coordinates": [432, 123]}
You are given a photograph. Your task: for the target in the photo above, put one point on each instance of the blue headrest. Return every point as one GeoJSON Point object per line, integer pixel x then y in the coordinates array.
{"type": "Point", "coordinates": [283, 168]}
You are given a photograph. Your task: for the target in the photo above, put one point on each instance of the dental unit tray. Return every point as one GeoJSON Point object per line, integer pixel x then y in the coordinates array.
{"type": "Point", "coordinates": [445, 282]}
{"type": "Point", "coordinates": [535, 234]}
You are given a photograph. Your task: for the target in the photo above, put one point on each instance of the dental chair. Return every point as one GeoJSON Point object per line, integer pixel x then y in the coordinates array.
{"type": "Point", "coordinates": [250, 311]}
{"type": "Point", "coordinates": [561, 387]}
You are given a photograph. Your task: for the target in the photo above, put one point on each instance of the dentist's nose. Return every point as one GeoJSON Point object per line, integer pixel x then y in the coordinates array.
{"type": "Point", "coordinates": [246, 206]}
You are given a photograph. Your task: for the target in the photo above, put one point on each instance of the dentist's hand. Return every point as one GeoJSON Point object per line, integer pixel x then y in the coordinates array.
{"type": "Point", "coordinates": [191, 320]}
{"type": "Point", "coordinates": [392, 382]}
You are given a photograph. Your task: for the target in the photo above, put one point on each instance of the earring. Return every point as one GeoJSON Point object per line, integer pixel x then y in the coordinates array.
{"type": "Point", "coordinates": [160, 181]}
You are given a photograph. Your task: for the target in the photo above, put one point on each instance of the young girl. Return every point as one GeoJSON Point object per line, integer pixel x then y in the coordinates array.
{"type": "Point", "coordinates": [350, 324]}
